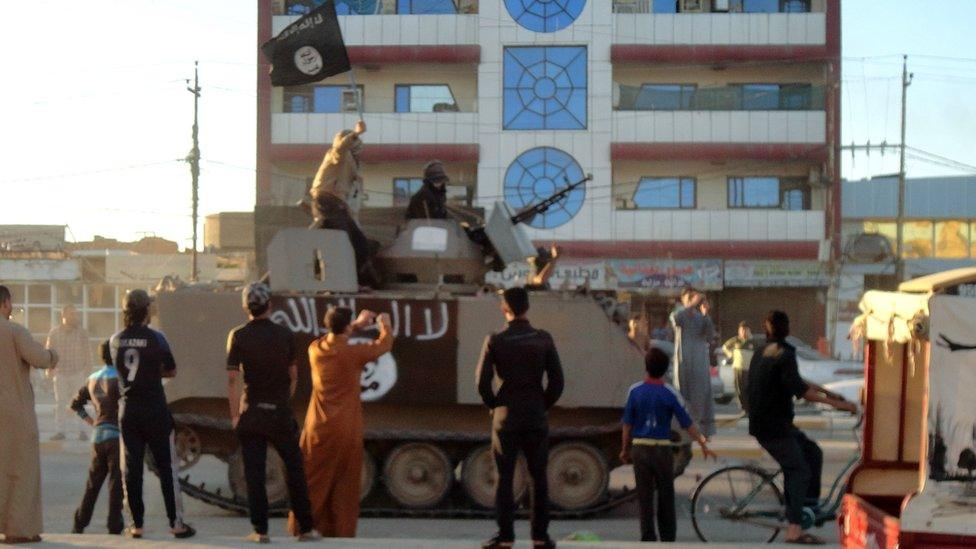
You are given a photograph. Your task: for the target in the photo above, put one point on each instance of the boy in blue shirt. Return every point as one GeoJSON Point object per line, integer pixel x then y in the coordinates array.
{"type": "Point", "coordinates": [102, 390]}
{"type": "Point", "coordinates": [646, 440]}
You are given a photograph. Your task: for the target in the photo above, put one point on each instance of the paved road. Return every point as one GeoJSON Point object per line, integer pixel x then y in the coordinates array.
{"type": "Point", "coordinates": [64, 467]}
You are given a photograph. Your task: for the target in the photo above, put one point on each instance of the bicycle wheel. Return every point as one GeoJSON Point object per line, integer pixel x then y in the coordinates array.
{"type": "Point", "coordinates": [737, 504]}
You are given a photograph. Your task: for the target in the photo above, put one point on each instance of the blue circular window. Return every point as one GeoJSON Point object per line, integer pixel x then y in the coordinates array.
{"type": "Point", "coordinates": [545, 15]}
{"type": "Point", "coordinates": [540, 173]}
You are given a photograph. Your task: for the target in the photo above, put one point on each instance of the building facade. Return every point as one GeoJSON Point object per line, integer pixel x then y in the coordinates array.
{"type": "Point", "coordinates": [710, 128]}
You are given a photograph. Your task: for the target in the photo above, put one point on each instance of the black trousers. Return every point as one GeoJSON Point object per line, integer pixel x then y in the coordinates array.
{"type": "Point", "coordinates": [802, 462]}
{"type": "Point", "coordinates": [654, 473]}
{"type": "Point", "coordinates": [505, 447]}
{"type": "Point", "coordinates": [282, 433]}
{"type": "Point", "coordinates": [105, 463]}
{"type": "Point", "coordinates": [332, 213]}
{"type": "Point", "coordinates": [150, 427]}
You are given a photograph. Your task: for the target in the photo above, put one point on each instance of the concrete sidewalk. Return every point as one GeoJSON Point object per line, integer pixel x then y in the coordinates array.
{"type": "Point", "coordinates": [160, 541]}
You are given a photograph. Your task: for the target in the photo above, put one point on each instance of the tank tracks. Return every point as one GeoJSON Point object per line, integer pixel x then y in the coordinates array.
{"type": "Point", "coordinates": [231, 503]}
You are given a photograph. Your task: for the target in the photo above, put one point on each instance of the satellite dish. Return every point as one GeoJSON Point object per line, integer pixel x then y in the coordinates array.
{"type": "Point", "coordinates": [869, 248]}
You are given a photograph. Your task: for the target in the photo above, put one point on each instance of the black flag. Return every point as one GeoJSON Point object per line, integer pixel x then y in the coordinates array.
{"type": "Point", "coordinates": [308, 50]}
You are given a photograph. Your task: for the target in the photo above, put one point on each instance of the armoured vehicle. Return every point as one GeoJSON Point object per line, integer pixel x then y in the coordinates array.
{"type": "Point", "coordinates": [427, 439]}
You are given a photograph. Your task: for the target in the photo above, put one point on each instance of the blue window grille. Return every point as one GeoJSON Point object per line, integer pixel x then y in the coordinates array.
{"type": "Point", "coordinates": [544, 88]}
{"type": "Point", "coordinates": [424, 98]}
{"type": "Point", "coordinates": [404, 188]}
{"type": "Point", "coordinates": [536, 175]}
{"type": "Point", "coordinates": [426, 7]}
{"type": "Point", "coordinates": [768, 192]}
{"type": "Point", "coordinates": [770, 6]}
{"type": "Point", "coordinates": [665, 6]}
{"type": "Point", "coordinates": [545, 15]}
{"type": "Point", "coordinates": [665, 193]}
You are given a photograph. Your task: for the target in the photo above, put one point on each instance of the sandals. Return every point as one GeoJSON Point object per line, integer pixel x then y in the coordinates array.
{"type": "Point", "coordinates": [806, 539]}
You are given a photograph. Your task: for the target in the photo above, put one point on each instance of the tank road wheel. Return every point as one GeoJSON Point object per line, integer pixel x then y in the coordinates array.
{"type": "Point", "coordinates": [368, 477]}
{"type": "Point", "coordinates": [274, 471]}
{"type": "Point", "coordinates": [418, 475]}
{"type": "Point", "coordinates": [188, 447]}
{"type": "Point", "coordinates": [479, 475]}
{"type": "Point", "coordinates": [578, 476]}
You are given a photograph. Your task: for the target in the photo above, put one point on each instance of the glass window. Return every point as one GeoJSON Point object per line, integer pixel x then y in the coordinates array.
{"type": "Point", "coordinates": [952, 239]}
{"type": "Point", "coordinates": [917, 236]}
{"type": "Point", "coordinates": [664, 97]}
{"type": "Point", "coordinates": [972, 239]}
{"type": "Point", "coordinates": [665, 6]}
{"type": "Point", "coordinates": [17, 293]}
{"type": "Point", "coordinates": [544, 88]}
{"type": "Point", "coordinates": [665, 192]}
{"type": "Point", "coordinates": [795, 97]}
{"type": "Point", "coordinates": [357, 7]}
{"type": "Point", "coordinates": [795, 194]}
{"type": "Point", "coordinates": [39, 293]}
{"type": "Point", "coordinates": [424, 98]}
{"type": "Point", "coordinates": [536, 175]}
{"type": "Point", "coordinates": [101, 325]}
{"type": "Point", "coordinates": [426, 6]}
{"type": "Point", "coordinates": [754, 192]}
{"type": "Point", "coordinates": [545, 15]}
{"type": "Point", "coordinates": [404, 188]}
{"type": "Point", "coordinates": [760, 97]}
{"type": "Point", "coordinates": [797, 6]}
{"type": "Point", "coordinates": [102, 296]}
{"type": "Point", "coordinates": [297, 99]}
{"type": "Point", "coordinates": [39, 320]}
{"type": "Point", "coordinates": [886, 229]}
{"type": "Point", "coordinates": [71, 294]}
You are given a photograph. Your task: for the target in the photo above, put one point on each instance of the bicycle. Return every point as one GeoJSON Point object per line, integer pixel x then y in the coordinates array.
{"type": "Point", "coordinates": [719, 513]}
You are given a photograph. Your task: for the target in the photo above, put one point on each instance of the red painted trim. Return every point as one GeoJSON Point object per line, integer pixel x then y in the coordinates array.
{"type": "Point", "coordinates": [414, 54]}
{"type": "Point", "coordinates": [262, 168]}
{"type": "Point", "coordinates": [933, 540]}
{"type": "Point", "coordinates": [718, 151]}
{"type": "Point", "coordinates": [375, 153]}
{"type": "Point", "coordinates": [870, 363]}
{"type": "Point", "coordinates": [648, 53]}
{"type": "Point", "coordinates": [902, 407]}
{"type": "Point", "coordinates": [688, 249]}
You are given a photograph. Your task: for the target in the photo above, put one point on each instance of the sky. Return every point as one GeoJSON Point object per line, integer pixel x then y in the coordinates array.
{"type": "Point", "coordinates": [95, 116]}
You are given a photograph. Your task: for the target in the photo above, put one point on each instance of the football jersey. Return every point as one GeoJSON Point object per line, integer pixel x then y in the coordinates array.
{"type": "Point", "coordinates": [141, 356]}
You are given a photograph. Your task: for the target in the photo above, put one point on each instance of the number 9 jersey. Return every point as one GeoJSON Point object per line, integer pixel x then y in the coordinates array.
{"type": "Point", "coordinates": [143, 358]}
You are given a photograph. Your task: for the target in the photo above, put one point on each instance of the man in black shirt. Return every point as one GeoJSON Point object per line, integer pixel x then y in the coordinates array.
{"type": "Point", "coordinates": [143, 358]}
{"type": "Point", "coordinates": [774, 380]}
{"type": "Point", "coordinates": [519, 356]}
{"type": "Point", "coordinates": [265, 353]}
{"type": "Point", "coordinates": [430, 202]}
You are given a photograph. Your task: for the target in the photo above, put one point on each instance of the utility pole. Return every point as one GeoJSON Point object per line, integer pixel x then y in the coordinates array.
{"type": "Point", "coordinates": [194, 160]}
{"type": "Point", "coordinates": [906, 80]}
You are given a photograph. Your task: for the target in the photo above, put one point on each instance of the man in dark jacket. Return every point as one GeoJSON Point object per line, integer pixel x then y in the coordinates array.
{"type": "Point", "coordinates": [518, 357]}
{"type": "Point", "coordinates": [430, 202]}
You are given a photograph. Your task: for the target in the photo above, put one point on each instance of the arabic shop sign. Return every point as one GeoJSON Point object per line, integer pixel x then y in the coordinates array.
{"type": "Point", "coordinates": [665, 274]}
{"type": "Point", "coordinates": [567, 274]}
{"type": "Point", "coordinates": [792, 274]}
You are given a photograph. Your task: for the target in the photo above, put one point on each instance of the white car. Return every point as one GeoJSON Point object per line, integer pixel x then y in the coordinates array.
{"type": "Point", "coordinates": [814, 367]}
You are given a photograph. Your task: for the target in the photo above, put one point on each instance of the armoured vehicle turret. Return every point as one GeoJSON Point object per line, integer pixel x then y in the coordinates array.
{"type": "Point", "coordinates": [427, 438]}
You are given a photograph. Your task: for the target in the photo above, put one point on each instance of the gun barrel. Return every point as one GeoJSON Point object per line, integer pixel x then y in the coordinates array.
{"type": "Point", "coordinates": [529, 212]}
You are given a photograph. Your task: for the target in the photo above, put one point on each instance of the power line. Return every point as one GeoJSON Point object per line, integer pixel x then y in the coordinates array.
{"type": "Point", "coordinates": [87, 173]}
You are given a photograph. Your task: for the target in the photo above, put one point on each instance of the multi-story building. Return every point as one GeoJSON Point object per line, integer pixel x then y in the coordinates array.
{"type": "Point", "coordinates": [710, 128]}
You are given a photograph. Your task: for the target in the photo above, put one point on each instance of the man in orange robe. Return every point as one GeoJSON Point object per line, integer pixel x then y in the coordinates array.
{"type": "Point", "coordinates": [332, 439]}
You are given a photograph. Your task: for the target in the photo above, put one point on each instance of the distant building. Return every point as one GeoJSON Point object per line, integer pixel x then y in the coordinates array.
{"type": "Point", "coordinates": [711, 128]}
{"type": "Point", "coordinates": [229, 232]}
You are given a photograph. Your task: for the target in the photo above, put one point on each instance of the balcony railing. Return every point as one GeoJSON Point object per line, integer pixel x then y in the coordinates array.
{"type": "Point", "coordinates": [384, 128]}
{"type": "Point", "coordinates": [718, 225]}
{"type": "Point", "coordinates": [731, 6]}
{"type": "Point", "coordinates": [800, 127]}
{"type": "Point", "coordinates": [747, 97]}
{"type": "Point", "coordinates": [379, 7]}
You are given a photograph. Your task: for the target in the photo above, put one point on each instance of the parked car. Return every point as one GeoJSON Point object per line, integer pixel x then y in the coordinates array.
{"type": "Point", "coordinates": [814, 367]}
{"type": "Point", "coordinates": [719, 391]}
